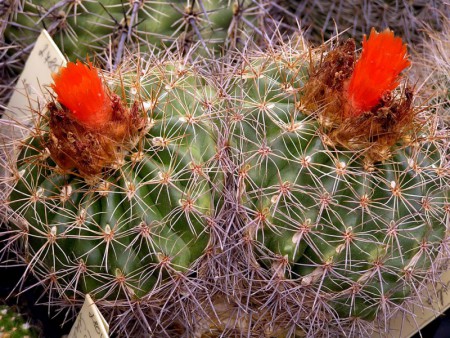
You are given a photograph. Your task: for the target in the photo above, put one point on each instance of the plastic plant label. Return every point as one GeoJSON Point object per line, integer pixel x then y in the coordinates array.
{"type": "Point", "coordinates": [33, 84]}
{"type": "Point", "coordinates": [90, 322]}
{"type": "Point", "coordinates": [30, 94]}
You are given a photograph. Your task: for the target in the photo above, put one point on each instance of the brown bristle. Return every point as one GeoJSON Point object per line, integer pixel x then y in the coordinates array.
{"type": "Point", "coordinates": [72, 145]}
{"type": "Point", "coordinates": [375, 131]}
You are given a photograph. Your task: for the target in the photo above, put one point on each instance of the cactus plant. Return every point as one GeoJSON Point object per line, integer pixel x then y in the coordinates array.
{"type": "Point", "coordinates": [111, 196]}
{"type": "Point", "coordinates": [345, 185]}
{"type": "Point", "coordinates": [12, 325]}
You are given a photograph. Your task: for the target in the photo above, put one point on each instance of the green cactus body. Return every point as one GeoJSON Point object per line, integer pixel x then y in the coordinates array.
{"type": "Point", "coordinates": [361, 236]}
{"type": "Point", "coordinates": [98, 28]}
{"type": "Point", "coordinates": [12, 324]}
{"type": "Point", "coordinates": [121, 233]}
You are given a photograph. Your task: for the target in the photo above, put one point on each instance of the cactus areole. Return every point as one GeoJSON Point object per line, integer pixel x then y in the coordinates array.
{"type": "Point", "coordinates": [90, 128]}
{"type": "Point", "coordinates": [105, 192]}
{"type": "Point", "coordinates": [355, 99]}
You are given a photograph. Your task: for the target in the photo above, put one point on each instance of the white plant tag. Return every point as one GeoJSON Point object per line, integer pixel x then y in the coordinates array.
{"type": "Point", "coordinates": [30, 94]}
{"type": "Point", "coordinates": [90, 322]}
{"type": "Point", "coordinates": [33, 84]}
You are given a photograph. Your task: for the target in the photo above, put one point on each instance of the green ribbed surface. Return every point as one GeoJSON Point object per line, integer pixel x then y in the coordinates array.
{"type": "Point", "coordinates": [361, 237]}
{"type": "Point", "coordinates": [145, 220]}
{"type": "Point", "coordinates": [97, 28]}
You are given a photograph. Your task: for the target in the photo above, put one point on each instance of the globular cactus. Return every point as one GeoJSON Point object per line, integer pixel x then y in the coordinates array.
{"type": "Point", "coordinates": [13, 325]}
{"type": "Point", "coordinates": [344, 184]}
{"type": "Point", "coordinates": [112, 190]}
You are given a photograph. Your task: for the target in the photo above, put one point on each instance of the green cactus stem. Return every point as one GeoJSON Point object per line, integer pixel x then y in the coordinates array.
{"type": "Point", "coordinates": [359, 225]}
{"type": "Point", "coordinates": [112, 213]}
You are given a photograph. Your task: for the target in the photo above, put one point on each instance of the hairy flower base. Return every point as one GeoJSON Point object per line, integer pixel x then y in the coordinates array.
{"type": "Point", "coordinates": [374, 131]}
{"type": "Point", "coordinates": [72, 145]}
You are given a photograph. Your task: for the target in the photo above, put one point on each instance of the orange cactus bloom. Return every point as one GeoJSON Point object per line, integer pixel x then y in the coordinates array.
{"type": "Point", "coordinates": [377, 71]}
{"type": "Point", "coordinates": [81, 91]}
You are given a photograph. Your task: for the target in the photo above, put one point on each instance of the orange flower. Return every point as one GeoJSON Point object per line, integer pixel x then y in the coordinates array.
{"type": "Point", "coordinates": [81, 91]}
{"type": "Point", "coordinates": [377, 71]}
